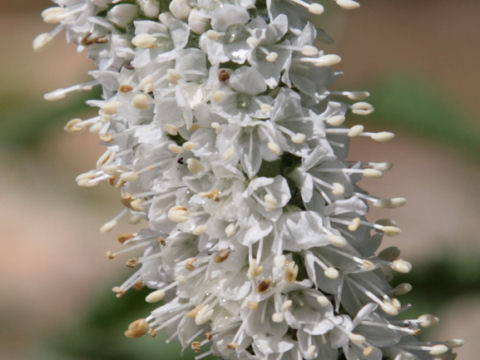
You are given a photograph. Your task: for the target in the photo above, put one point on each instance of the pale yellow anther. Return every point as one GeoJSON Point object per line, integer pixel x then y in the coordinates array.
{"type": "Point", "coordinates": [336, 120]}
{"type": "Point", "coordinates": [189, 145]}
{"type": "Point", "coordinates": [355, 224]}
{"type": "Point", "coordinates": [309, 50]}
{"type": "Point", "coordinates": [327, 60]}
{"type": "Point", "coordinates": [270, 202]}
{"type": "Point", "coordinates": [357, 339]}
{"type": "Point", "coordinates": [173, 76]}
{"type": "Point", "coordinates": [230, 230]}
{"type": "Point", "coordinates": [274, 148]}
{"type": "Point", "coordinates": [355, 130]}
{"type": "Point", "coordinates": [401, 266]}
{"type": "Point", "coordinates": [142, 101]}
{"type": "Point", "coordinates": [287, 305]}
{"type": "Point", "coordinates": [174, 148]}
{"type": "Point", "coordinates": [323, 300]}
{"type": "Point", "coordinates": [291, 272]}
{"type": "Point", "coordinates": [144, 41]}
{"type": "Point", "coordinates": [110, 255]}
{"type": "Point", "coordinates": [194, 312]}
{"type": "Point", "coordinates": [357, 95]}
{"type": "Point", "coordinates": [316, 9]}
{"type": "Point", "coordinates": [227, 154]}
{"type": "Point", "coordinates": [272, 57]}
{"type": "Point", "coordinates": [195, 166]}
{"type": "Point", "coordinates": [178, 214]}
{"type": "Point", "coordinates": [200, 229]}
{"type": "Point", "coordinates": [278, 317]}
{"type": "Point", "coordinates": [146, 85]}
{"type": "Point", "coordinates": [254, 270]}
{"type": "Point", "coordinates": [362, 108]}
{"type": "Point", "coordinates": [212, 195]}
{"type": "Point", "coordinates": [389, 308]}
{"type": "Point", "coordinates": [372, 173]}
{"type": "Point", "coordinates": [55, 95]}
{"type": "Point", "coordinates": [427, 320]}
{"type": "Point", "coordinates": [298, 138]}
{"type": "Point", "coordinates": [41, 41]}
{"type": "Point", "coordinates": [331, 273]}
{"type": "Point", "coordinates": [383, 136]}
{"type": "Point", "coordinates": [253, 41]}
{"type": "Point", "coordinates": [136, 205]}
{"type": "Point", "coordinates": [438, 349]}
{"type": "Point", "coordinates": [348, 4]}
{"type": "Point", "coordinates": [53, 15]}
{"type": "Point", "coordinates": [367, 265]}
{"type": "Point", "coordinates": [367, 351]}
{"type": "Point", "coordinates": [203, 316]}
{"type": "Point", "coordinates": [171, 129]}
{"type": "Point", "coordinates": [111, 107]}
{"type": "Point", "coordinates": [279, 261]}
{"type": "Point", "coordinates": [391, 230]}
{"type": "Point", "coordinates": [338, 189]}
{"type": "Point", "coordinates": [337, 240]}
{"type": "Point", "coordinates": [74, 125]}
{"type": "Point", "coordinates": [108, 226]}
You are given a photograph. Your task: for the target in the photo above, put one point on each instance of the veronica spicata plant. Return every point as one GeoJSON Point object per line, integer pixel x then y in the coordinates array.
{"type": "Point", "coordinates": [222, 136]}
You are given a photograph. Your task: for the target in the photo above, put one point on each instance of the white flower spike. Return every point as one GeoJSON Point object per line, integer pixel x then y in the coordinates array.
{"type": "Point", "coordinates": [222, 135]}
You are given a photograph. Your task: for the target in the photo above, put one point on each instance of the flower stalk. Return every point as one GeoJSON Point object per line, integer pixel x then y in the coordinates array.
{"type": "Point", "coordinates": [224, 140]}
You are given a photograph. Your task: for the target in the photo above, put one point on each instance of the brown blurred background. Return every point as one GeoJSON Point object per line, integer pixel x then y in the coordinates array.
{"type": "Point", "coordinates": [409, 53]}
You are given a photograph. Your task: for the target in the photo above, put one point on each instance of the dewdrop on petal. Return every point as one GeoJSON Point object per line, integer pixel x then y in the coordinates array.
{"type": "Point", "coordinates": [230, 154]}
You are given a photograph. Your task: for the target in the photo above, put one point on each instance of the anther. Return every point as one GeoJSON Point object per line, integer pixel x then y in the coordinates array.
{"type": "Point", "coordinates": [348, 4]}
{"type": "Point", "coordinates": [336, 120]}
{"type": "Point", "coordinates": [270, 202]}
{"type": "Point", "coordinates": [74, 125]}
{"type": "Point", "coordinates": [337, 240]}
{"type": "Point", "coordinates": [438, 349]}
{"type": "Point", "coordinates": [298, 138]}
{"type": "Point", "coordinates": [391, 230]}
{"type": "Point", "coordinates": [137, 329]}
{"type": "Point", "coordinates": [230, 230]}
{"type": "Point", "coordinates": [111, 107]}
{"type": "Point", "coordinates": [155, 296]}
{"type": "Point", "coordinates": [355, 224]}
{"type": "Point", "coordinates": [338, 189]}
{"type": "Point", "coordinates": [141, 101]}
{"type": "Point", "coordinates": [355, 130]}
{"type": "Point", "coordinates": [108, 226]}
{"type": "Point", "coordinates": [125, 88]}
{"type": "Point", "coordinates": [174, 148]}
{"type": "Point", "coordinates": [125, 237]}
{"type": "Point", "coordinates": [264, 285]}
{"type": "Point", "coordinates": [173, 76]}
{"type": "Point", "coordinates": [129, 176]}
{"type": "Point", "coordinates": [357, 339]}
{"type": "Point", "coordinates": [252, 305]}
{"type": "Point", "coordinates": [222, 255]}
{"type": "Point", "coordinates": [110, 255]}
{"type": "Point", "coordinates": [41, 41]}
{"type": "Point", "coordinates": [189, 145]}
{"type": "Point", "coordinates": [331, 273]}
{"type": "Point", "coordinates": [323, 300]}
{"type": "Point", "coordinates": [291, 272]}
{"type": "Point", "coordinates": [316, 9]}
{"type": "Point", "coordinates": [327, 60]}
{"type": "Point", "coordinates": [144, 41]}
{"type": "Point", "coordinates": [171, 129]}
{"type": "Point", "coordinates": [278, 317]}
{"type": "Point", "coordinates": [274, 148]}
{"type": "Point", "coordinates": [382, 136]}
{"type": "Point", "coordinates": [309, 50]}
{"type": "Point", "coordinates": [272, 57]}
{"type": "Point", "coordinates": [372, 173]}
{"type": "Point", "coordinates": [195, 166]}
{"type": "Point", "coordinates": [178, 214]}
{"type": "Point", "coordinates": [362, 108]}
{"type": "Point", "coordinates": [53, 15]}
{"type": "Point", "coordinates": [200, 229]}
{"type": "Point", "coordinates": [254, 270]}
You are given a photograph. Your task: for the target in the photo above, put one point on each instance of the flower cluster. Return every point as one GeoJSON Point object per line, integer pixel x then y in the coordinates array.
{"type": "Point", "coordinates": [222, 135]}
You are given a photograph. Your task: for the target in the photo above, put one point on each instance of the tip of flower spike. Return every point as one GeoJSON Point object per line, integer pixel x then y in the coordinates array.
{"type": "Point", "coordinates": [155, 296]}
{"type": "Point", "coordinates": [41, 40]}
{"type": "Point", "coordinates": [137, 329]}
{"type": "Point", "coordinates": [348, 4]}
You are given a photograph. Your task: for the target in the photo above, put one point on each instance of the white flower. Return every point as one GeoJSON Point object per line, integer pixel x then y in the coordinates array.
{"type": "Point", "coordinates": [222, 135]}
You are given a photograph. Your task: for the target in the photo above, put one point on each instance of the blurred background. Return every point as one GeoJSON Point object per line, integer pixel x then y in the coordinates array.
{"type": "Point", "coordinates": [420, 61]}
